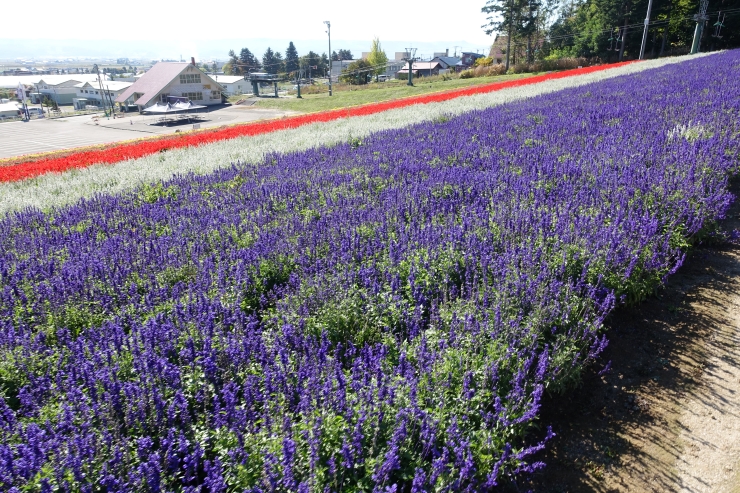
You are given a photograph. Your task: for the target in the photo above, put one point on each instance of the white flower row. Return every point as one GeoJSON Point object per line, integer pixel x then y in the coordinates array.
{"type": "Point", "coordinates": [56, 189]}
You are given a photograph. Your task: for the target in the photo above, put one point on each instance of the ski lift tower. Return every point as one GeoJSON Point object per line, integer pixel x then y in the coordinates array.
{"type": "Point", "coordinates": [700, 19]}
{"type": "Point", "coordinates": [256, 78]}
{"type": "Point", "coordinates": [410, 53]}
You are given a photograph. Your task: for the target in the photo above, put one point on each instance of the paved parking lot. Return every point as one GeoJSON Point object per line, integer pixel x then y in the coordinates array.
{"type": "Point", "coordinates": [18, 138]}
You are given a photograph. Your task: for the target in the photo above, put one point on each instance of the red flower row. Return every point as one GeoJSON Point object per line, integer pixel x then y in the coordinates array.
{"type": "Point", "coordinates": [134, 150]}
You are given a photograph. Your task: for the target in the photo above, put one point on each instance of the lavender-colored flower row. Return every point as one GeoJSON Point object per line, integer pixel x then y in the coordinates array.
{"type": "Point", "coordinates": [381, 315]}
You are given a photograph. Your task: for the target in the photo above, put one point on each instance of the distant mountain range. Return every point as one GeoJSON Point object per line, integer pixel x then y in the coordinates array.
{"type": "Point", "coordinates": [210, 49]}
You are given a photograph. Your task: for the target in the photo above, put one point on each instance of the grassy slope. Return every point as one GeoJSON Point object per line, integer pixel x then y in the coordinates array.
{"type": "Point", "coordinates": [374, 92]}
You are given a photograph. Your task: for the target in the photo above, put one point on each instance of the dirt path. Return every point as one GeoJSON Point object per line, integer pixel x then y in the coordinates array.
{"type": "Point", "coordinates": [667, 416]}
{"type": "Point", "coordinates": [710, 423]}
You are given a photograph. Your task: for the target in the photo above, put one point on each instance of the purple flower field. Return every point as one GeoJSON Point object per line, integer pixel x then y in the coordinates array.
{"type": "Point", "coordinates": [381, 315]}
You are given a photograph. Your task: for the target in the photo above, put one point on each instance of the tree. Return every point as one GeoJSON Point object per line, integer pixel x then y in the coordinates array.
{"type": "Point", "coordinates": [272, 62]}
{"type": "Point", "coordinates": [232, 66]}
{"type": "Point", "coordinates": [377, 57]}
{"type": "Point", "coordinates": [49, 103]}
{"type": "Point", "coordinates": [214, 67]}
{"type": "Point", "coordinates": [312, 59]}
{"type": "Point", "coordinates": [358, 72]}
{"type": "Point", "coordinates": [341, 55]}
{"type": "Point", "coordinates": [249, 62]}
{"type": "Point", "coordinates": [607, 28]}
{"type": "Point", "coordinates": [291, 59]}
{"type": "Point", "coordinates": [522, 21]}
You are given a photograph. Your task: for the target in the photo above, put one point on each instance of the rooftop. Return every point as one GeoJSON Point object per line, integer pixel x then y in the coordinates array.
{"type": "Point", "coordinates": [152, 82]}
{"type": "Point", "coordinates": [111, 85]}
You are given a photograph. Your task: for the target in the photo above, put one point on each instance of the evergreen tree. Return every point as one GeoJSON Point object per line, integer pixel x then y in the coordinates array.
{"type": "Point", "coordinates": [291, 58]}
{"type": "Point", "coordinates": [341, 55]}
{"type": "Point", "coordinates": [522, 21]}
{"type": "Point", "coordinates": [610, 28]}
{"type": "Point", "coordinates": [280, 62]}
{"type": "Point", "coordinates": [249, 62]}
{"type": "Point", "coordinates": [270, 62]}
{"type": "Point", "coordinates": [312, 59]}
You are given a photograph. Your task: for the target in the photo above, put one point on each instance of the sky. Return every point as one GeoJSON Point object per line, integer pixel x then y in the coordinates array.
{"type": "Point", "coordinates": [206, 30]}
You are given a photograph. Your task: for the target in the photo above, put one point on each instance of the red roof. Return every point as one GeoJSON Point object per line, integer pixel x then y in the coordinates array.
{"type": "Point", "coordinates": [151, 83]}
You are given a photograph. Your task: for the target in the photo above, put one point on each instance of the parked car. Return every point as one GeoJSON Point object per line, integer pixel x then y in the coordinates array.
{"type": "Point", "coordinates": [36, 112]}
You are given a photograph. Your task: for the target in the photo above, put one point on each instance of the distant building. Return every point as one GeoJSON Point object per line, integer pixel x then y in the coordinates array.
{"type": "Point", "coordinates": [498, 49]}
{"type": "Point", "coordinates": [420, 69]}
{"type": "Point", "coordinates": [166, 79]}
{"type": "Point", "coordinates": [233, 85]}
{"type": "Point", "coordinates": [89, 93]}
{"type": "Point", "coordinates": [468, 59]}
{"type": "Point", "coordinates": [448, 63]}
{"type": "Point", "coordinates": [337, 66]}
{"type": "Point", "coordinates": [61, 90]}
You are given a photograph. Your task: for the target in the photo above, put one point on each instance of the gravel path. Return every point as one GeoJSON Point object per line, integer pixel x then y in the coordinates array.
{"type": "Point", "coordinates": [710, 423]}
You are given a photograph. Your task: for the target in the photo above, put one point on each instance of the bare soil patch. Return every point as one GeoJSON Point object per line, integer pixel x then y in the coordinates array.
{"type": "Point", "coordinates": [666, 417]}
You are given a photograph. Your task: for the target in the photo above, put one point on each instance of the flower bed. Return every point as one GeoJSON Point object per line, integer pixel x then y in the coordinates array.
{"type": "Point", "coordinates": [383, 314]}
{"type": "Point", "coordinates": [56, 189]}
{"type": "Point", "coordinates": [144, 148]}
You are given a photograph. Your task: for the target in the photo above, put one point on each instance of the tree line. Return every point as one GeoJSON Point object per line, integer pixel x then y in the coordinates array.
{"type": "Point", "coordinates": [610, 30]}
{"type": "Point", "coordinates": [274, 62]}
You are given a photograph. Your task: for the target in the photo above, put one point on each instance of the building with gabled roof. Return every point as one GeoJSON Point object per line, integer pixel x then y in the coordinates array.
{"type": "Point", "coordinates": [498, 49]}
{"type": "Point", "coordinates": [420, 69]}
{"type": "Point", "coordinates": [447, 62]}
{"type": "Point", "coordinates": [90, 93]}
{"type": "Point", "coordinates": [166, 79]}
{"type": "Point", "coordinates": [233, 84]}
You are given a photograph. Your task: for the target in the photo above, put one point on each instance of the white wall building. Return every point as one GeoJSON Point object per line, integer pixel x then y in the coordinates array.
{"type": "Point", "coordinates": [89, 93]}
{"type": "Point", "coordinates": [62, 92]}
{"type": "Point", "coordinates": [233, 85]}
{"type": "Point", "coordinates": [166, 79]}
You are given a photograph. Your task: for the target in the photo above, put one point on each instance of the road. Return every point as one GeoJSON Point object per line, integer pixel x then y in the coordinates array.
{"type": "Point", "coordinates": [36, 136]}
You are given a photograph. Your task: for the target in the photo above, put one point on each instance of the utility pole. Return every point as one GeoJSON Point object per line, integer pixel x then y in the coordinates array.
{"type": "Point", "coordinates": [298, 81]}
{"type": "Point", "coordinates": [508, 41]}
{"type": "Point", "coordinates": [700, 19]}
{"type": "Point", "coordinates": [328, 31]}
{"type": "Point", "coordinates": [645, 31]}
{"type": "Point", "coordinates": [110, 100]}
{"type": "Point", "coordinates": [21, 91]}
{"type": "Point", "coordinates": [102, 93]}
{"type": "Point", "coordinates": [410, 52]}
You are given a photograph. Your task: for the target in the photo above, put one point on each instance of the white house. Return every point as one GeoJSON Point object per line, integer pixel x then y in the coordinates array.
{"type": "Point", "coordinates": [89, 92]}
{"type": "Point", "coordinates": [61, 92]}
{"type": "Point", "coordinates": [12, 81]}
{"type": "Point", "coordinates": [166, 79]}
{"type": "Point", "coordinates": [233, 85]}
